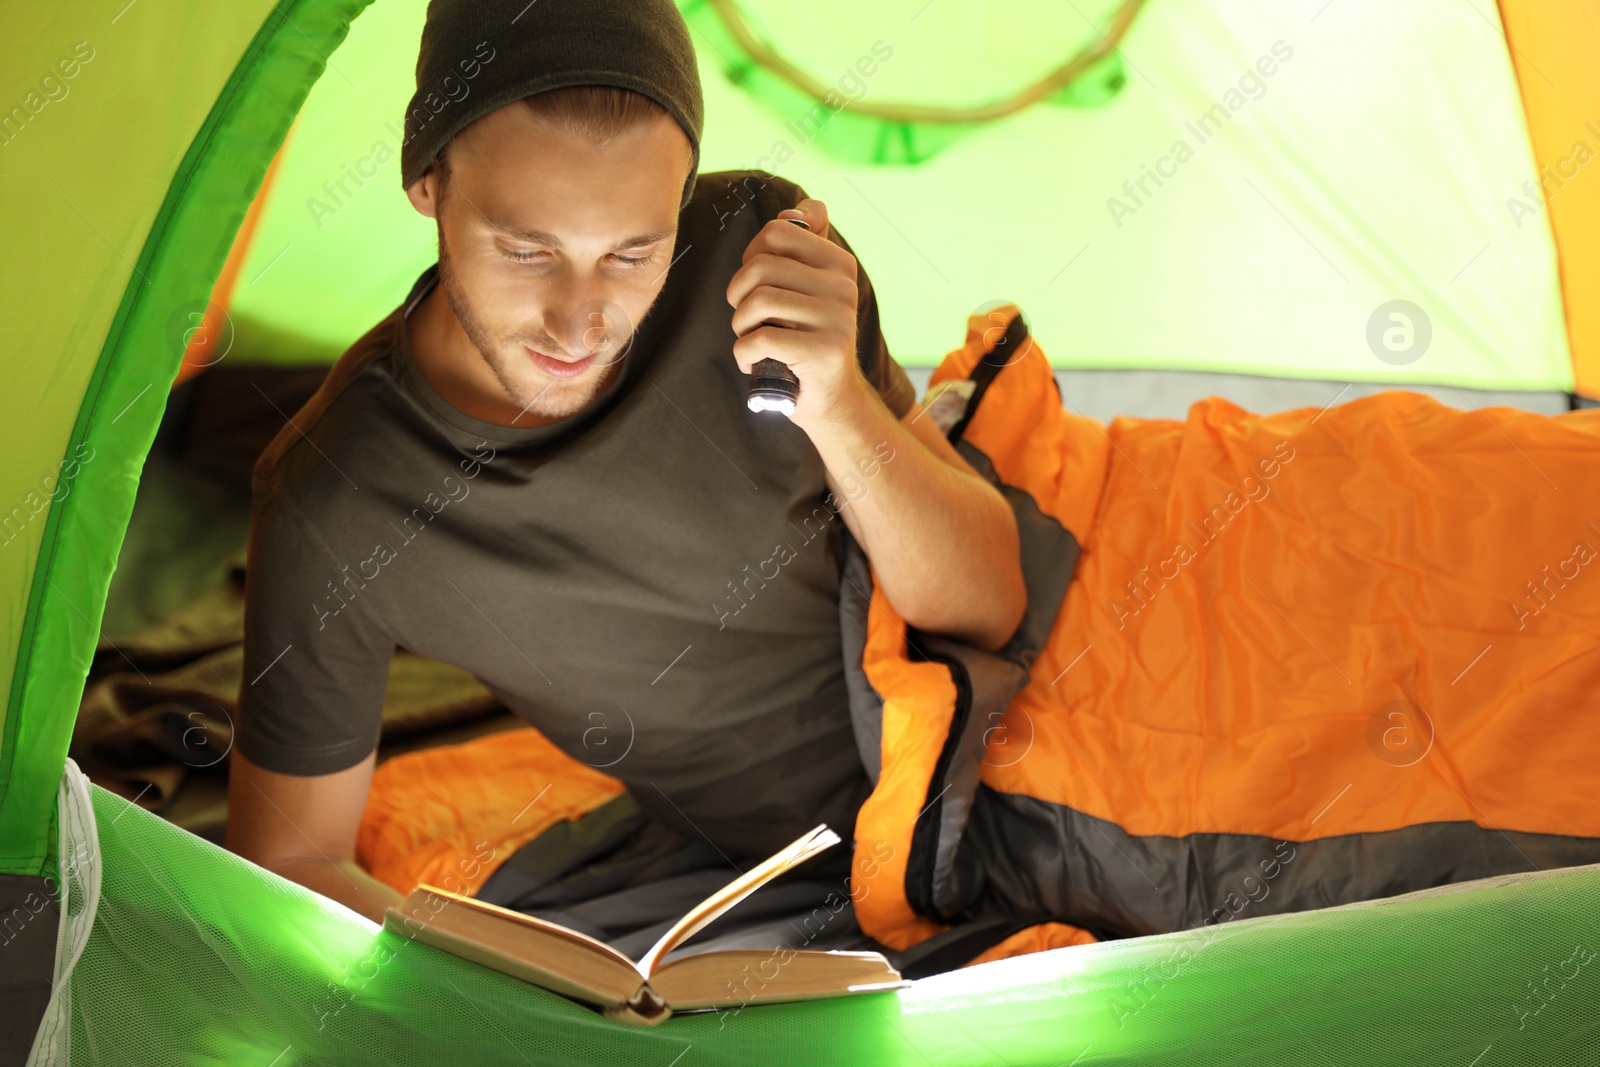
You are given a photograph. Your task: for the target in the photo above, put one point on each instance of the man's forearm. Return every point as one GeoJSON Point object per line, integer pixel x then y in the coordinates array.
{"type": "Point", "coordinates": [942, 541]}
{"type": "Point", "coordinates": [343, 881]}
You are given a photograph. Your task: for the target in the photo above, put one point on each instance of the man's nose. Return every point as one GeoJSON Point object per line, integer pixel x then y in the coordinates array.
{"type": "Point", "coordinates": [597, 325]}
{"type": "Point", "coordinates": [579, 314]}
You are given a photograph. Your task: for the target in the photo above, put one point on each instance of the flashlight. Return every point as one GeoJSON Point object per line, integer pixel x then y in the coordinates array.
{"type": "Point", "coordinates": [773, 386]}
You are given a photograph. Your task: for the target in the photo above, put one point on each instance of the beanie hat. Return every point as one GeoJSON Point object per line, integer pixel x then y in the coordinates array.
{"type": "Point", "coordinates": [479, 55]}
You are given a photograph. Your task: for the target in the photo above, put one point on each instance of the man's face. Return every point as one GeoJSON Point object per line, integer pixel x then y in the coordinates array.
{"type": "Point", "coordinates": [552, 249]}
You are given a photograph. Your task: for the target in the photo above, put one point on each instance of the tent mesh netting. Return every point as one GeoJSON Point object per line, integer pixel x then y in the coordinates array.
{"type": "Point", "coordinates": [199, 957]}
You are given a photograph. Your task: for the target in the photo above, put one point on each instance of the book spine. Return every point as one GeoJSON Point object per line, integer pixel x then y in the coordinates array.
{"type": "Point", "coordinates": [646, 1008]}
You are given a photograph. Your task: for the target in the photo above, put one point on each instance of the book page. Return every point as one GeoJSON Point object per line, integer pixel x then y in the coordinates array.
{"type": "Point", "coordinates": [535, 950]}
{"type": "Point", "coordinates": [802, 849]}
{"type": "Point", "coordinates": [543, 926]}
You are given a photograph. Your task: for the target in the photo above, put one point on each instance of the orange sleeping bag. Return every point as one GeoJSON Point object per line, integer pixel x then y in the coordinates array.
{"type": "Point", "coordinates": [449, 816]}
{"type": "Point", "coordinates": [1305, 659]}
{"type": "Point", "coordinates": [1313, 623]}
{"type": "Point", "coordinates": [1270, 663]}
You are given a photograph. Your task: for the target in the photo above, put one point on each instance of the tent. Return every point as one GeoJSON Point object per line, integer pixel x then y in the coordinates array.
{"type": "Point", "coordinates": [1282, 203]}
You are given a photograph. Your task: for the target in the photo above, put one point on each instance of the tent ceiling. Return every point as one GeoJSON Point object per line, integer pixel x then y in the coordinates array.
{"type": "Point", "coordinates": [1371, 165]}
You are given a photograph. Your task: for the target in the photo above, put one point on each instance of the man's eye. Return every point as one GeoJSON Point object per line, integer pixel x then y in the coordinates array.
{"type": "Point", "coordinates": [633, 261]}
{"type": "Point", "coordinates": [524, 257]}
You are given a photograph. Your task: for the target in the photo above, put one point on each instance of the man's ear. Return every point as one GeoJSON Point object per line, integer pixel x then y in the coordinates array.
{"type": "Point", "coordinates": [424, 193]}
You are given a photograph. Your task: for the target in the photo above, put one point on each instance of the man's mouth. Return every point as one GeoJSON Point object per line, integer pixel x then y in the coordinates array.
{"type": "Point", "coordinates": [559, 368]}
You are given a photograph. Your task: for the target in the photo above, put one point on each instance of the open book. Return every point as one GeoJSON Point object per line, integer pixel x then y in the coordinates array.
{"type": "Point", "coordinates": [647, 992]}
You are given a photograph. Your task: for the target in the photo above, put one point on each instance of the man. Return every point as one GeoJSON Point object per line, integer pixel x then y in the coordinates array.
{"type": "Point", "coordinates": [541, 468]}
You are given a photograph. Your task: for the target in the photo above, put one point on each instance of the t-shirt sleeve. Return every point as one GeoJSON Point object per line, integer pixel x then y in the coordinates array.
{"type": "Point", "coordinates": [881, 369]}
{"type": "Point", "coordinates": [872, 350]}
{"type": "Point", "coordinates": [315, 664]}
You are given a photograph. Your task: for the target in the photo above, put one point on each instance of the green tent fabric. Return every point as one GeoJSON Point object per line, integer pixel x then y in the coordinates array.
{"type": "Point", "coordinates": [1266, 252]}
{"type": "Point", "coordinates": [134, 137]}
{"type": "Point", "coordinates": [134, 184]}
{"type": "Point", "coordinates": [188, 968]}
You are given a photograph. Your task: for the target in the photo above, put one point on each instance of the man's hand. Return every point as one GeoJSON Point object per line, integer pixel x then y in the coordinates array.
{"type": "Point", "coordinates": [942, 541]}
{"type": "Point", "coordinates": [805, 284]}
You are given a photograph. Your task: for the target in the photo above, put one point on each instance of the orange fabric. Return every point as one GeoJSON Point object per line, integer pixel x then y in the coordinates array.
{"type": "Point", "coordinates": [1036, 445]}
{"type": "Point", "coordinates": [1257, 592]}
{"type": "Point", "coordinates": [199, 353]}
{"type": "Point", "coordinates": [918, 704]}
{"type": "Point", "coordinates": [450, 816]}
{"type": "Point", "coordinates": [1035, 939]}
{"type": "Point", "coordinates": [1553, 47]}
{"type": "Point", "coordinates": [1060, 459]}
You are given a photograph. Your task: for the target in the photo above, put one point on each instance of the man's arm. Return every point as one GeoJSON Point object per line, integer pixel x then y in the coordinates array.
{"type": "Point", "coordinates": [304, 828]}
{"type": "Point", "coordinates": [310, 707]}
{"type": "Point", "coordinates": [942, 540]}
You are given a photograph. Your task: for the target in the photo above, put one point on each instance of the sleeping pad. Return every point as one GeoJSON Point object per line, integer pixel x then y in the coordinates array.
{"type": "Point", "coordinates": [1270, 663]}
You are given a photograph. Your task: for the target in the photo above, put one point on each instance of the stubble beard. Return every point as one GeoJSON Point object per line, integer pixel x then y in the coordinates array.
{"type": "Point", "coordinates": [535, 393]}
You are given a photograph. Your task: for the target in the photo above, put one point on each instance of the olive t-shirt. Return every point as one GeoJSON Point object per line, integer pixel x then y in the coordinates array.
{"type": "Point", "coordinates": [653, 582]}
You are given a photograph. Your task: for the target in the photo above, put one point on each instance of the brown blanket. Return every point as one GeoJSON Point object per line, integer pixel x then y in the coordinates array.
{"type": "Point", "coordinates": [156, 722]}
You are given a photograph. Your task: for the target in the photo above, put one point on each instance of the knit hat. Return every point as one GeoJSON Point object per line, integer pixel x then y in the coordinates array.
{"type": "Point", "coordinates": [479, 55]}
